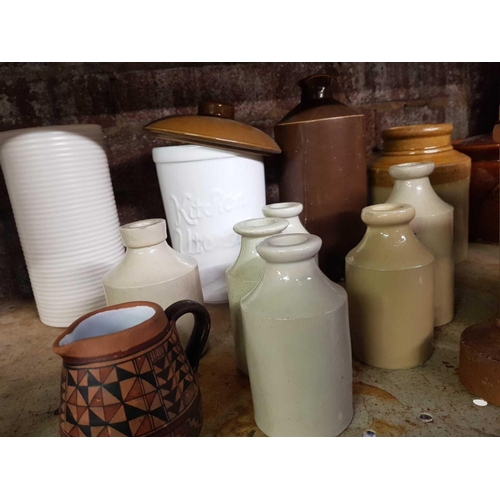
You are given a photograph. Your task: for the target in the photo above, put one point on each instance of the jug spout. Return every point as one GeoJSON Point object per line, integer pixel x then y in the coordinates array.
{"type": "Point", "coordinates": [111, 332]}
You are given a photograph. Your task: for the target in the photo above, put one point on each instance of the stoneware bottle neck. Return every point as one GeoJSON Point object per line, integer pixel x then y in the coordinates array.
{"type": "Point", "coordinates": [389, 223]}
{"type": "Point", "coordinates": [150, 250]}
{"type": "Point", "coordinates": [390, 235]}
{"type": "Point", "coordinates": [412, 185]}
{"type": "Point", "coordinates": [290, 258]}
{"type": "Point", "coordinates": [144, 233]}
{"type": "Point", "coordinates": [253, 232]}
{"type": "Point", "coordinates": [292, 273]}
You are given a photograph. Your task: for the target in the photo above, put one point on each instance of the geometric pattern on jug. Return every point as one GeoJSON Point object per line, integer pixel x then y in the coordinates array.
{"type": "Point", "coordinates": [151, 394]}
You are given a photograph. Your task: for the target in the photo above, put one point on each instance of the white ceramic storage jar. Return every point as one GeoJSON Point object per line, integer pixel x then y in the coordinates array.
{"type": "Point", "coordinates": [297, 342]}
{"type": "Point", "coordinates": [206, 191]}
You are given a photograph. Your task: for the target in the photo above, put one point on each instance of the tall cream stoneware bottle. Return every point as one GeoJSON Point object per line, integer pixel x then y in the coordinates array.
{"type": "Point", "coordinates": [246, 272]}
{"type": "Point", "coordinates": [433, 226]}
{"type": "Point", "coordinates": [450, 179]}
{"type": "Point", "coordinates": [152, 271]}
{"type": "Point", "coordinates": [390, 285]}
{"type": "Point", "coordinates": [297, 342]}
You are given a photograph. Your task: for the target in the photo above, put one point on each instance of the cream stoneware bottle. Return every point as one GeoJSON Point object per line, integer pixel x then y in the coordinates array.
{"type": "Point", "coordinates": [289, 211]}
{"type": "Point", "coordinates": [246, 272]}
{"type": "Point", "coordinates": [152, 271]}
{"type": "Point", "coordinates": [433, 226]}
{"type": "Point", "coordinates": [297, 342]}
{"type": "Point", "coordinates": [390, 285]}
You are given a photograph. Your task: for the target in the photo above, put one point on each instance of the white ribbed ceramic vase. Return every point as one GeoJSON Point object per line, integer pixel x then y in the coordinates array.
{"type": "Point", "coordinates": [61, 194]}
{"type": "Point", "coordinates": [206, 191]}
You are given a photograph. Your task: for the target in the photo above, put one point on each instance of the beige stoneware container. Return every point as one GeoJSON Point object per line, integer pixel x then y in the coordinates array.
{"type": "Point", "coordinates": [152, 271]}
{"type": "Point", "coordinates": [246, 272]}
{"type": "Point", "coordinates": [433, 226]}
{"type": "Point", "coordinates": [390, 285]}
{"type": "Point", "coordinates": [450, 179]}
{"type": "Point", "coordinates": [297, 342]}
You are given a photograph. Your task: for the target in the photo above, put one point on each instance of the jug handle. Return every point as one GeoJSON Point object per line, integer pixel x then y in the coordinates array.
{"type": "Point", "coordinates": [199, 335]}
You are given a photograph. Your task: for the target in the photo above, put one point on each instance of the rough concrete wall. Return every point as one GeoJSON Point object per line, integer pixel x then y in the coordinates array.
{"type": "Point", "coordinates": [123, 97]}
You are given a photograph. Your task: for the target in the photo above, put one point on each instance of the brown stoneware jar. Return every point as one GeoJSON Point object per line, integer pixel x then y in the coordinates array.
{"type": "Point", "coordinates": [479, 362]}
{"type": "Point", "coordinates": [484, 199]}
{"type": "Point", "coordinates": [324, 167]}
{"type": "Point", "coordinates": [450, 179]}
{"type": "Point", "coordinates": [125, 372]}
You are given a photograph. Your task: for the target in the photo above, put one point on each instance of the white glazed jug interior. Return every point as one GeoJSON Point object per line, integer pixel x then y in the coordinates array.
{"type": "Point", "coordinates": [108, 322]}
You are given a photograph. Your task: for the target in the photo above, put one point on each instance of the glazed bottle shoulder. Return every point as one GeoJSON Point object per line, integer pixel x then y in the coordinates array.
{"type": "Point", "coordinates": [246, 269]}
{"type": "Point", "coordinates": [392, 253]}
{"type": "Point", "coordinates": [426, 202]}
{"type": "Point", "coordinates": [150, 266]}
{"type": "Point", "coordinates": [283, 295]}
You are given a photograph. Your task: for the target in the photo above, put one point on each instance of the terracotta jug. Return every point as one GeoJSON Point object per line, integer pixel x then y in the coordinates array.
{"type": "Point", "coordinates": [390, 285]}
{"type": "Point", "coordinates": [450, 179]}
{"type": "Point", "coordinates": [433, 226]}
{"type": "Point", "coordinates": [297, 342]}
{"type": "Point", "coordinates": [154, 272]}
{"type": "Point", "coordinates": [323, 166]}
{"type": "Point", "coordinates": [246, 272]}
{"type": "Point", "coordinates": [125, 372]}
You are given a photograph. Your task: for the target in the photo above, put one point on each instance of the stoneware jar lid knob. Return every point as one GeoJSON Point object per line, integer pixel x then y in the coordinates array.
{"type": "Point", "coordinates": [283, 210]}
{"type": "Point", "coordinates": [293, 247]}
{"type": "Point", "coordinates": [388, 214]}
{"type": "Point", "coordinates": [218, 109]}
{"type": "Point", "coordinates": [316, 87]}
{"type": "Point", "coordinates": [144, 233]}
{"type": "Point", "coordinates": [413, 170]}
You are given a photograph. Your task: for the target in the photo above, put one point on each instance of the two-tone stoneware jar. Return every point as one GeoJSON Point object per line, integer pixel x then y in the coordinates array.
{"type": "Point", "coordinates": [450, 179]}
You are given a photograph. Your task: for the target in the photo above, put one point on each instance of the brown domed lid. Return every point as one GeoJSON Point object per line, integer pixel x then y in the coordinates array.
{"type": "Point", "coordinates": [478, 147]}
{"type": "Point", "coordinates": [317, 102]}
{"type": "Point", "coordinates": [214, 125]}
{"type": "Point", "coordinates": [422, 138]}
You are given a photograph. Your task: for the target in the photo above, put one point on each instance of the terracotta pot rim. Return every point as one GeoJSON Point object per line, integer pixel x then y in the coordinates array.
{"type": "Point", "coordinates": [113, 345]}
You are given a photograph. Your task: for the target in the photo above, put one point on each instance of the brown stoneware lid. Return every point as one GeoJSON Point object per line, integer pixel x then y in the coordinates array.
{"type": "Point", "coordinates": [317, 102]}
{"type": "Point", "coordinates": [478, 147]}
{"type": "Point", "coordinates": [214, 125]}
{"type": "Point", "coordinates": [425, 138]}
